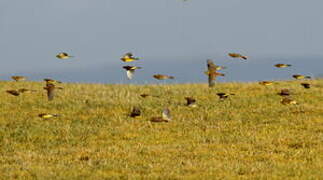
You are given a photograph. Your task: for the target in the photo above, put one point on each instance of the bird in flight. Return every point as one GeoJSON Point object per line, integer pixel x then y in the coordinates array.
{"type": "Point", "coordinates": [284, 92]}
{"type": "Point", "coordinates": [51, 81]}
{"type": "Point", "coordinates": [128, 57]}
{"type": "Point", "coordinates": [282, 65]}
{"type": "Point", "coordinates": [266, 83]}
{"type": "Point", "coordinates": [47, 116]}
{"type": "Point", "coordinates": [13, 92]}
{"type": "Point", "coordinates": [306, 85]}
{"type": "Point", "coordinates": [19, 78]}
{"type": "Point", "coordinates": [223, 96]}
{"type": "Point", "coordinates": [63, 55]}
{"type": "Point", "coordinates": [299, 76]}
{"type": "Point", "coordinates": [163, 77]}
{"type": "Point", "coordinates": [130, 70]}
{"type": "Point", "coordinates": [166, 117]}
{"type": "Point", "coordinates": [237, 55]}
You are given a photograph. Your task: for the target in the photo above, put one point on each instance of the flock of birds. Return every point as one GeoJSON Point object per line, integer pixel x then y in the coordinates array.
{"type": "Point", "coordinates": [212, 73]}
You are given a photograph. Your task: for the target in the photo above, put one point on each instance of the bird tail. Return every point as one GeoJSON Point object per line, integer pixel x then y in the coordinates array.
{"type": "Point", "coordinates": [221, 74]}
{"type": "Point", "coordinates": [308, 77]}
{"type": "Point", "coordinates": [244, 57]}
{"type": "Point", "coordinates": [288, 65]}
{"type": "Point", "coordinates": [171, 77]}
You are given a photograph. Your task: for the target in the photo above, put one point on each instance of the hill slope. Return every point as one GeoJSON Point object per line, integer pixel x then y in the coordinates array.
{"type": "Point", "coordinates": [249, 135]}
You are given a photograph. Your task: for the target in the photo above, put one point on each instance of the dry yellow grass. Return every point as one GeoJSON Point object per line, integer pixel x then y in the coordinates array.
{"type": "Point", "coordinates": [250, 135]}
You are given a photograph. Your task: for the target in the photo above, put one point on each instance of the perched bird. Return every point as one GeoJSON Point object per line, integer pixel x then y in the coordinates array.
{"type": "Point", "coordinates": [237, 55]}
{"type": "Point", "coordinates": [162, 77]}
{"type": "Point", "coordinates": [266, 83]}
{"type": "Point", "coordinates": [282, 65]}
{"type": "Point", "coordinates": [223, 96]}
{"type": "Point", "coordinates": [19, 78]}
{"type": "Point", "coordinates": [50, 88]}
{"type": "Point", "coordinates": [128, 57]}
{"type": "Point", "coordinates": [287, 101]}
{"type": "Point", "coordinates": [166, 117]}
{"type": "Point", "coordinates": [135, 112]}
{"type": "Point", "coordinates": [284, 92]}
{"type": "Point", "coordinates": [298, 76]}
{"type": "Point", "coordinates": [191, 102]}
{"type": "Point", "coordinates": [63, 55]}
{"type": "Point", "coordinates": [306, 85]}
{"type": "Point", "coordinates": [47, 116]}
{"type": "Point", "coordinates": [13, 92]}
{"type": "Point", "coordinates": [212, 72]}
{"type": "Point", "coordinates": [51, 81]}
{"type": "Point", "coordinates": [130, 70]}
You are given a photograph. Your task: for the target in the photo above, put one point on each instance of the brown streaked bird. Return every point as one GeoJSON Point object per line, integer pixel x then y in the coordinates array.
{"type": "Point", "coordinates": [306, 85]}
{"type": "Point", "coordinates": [128, 57]}
{"type": "Point", "coordinates": [299, 76]}
{"type": "Point", "coordinates": [135, 112]}
{"type": "Point", "coordinates": [19, 78]}
{"type": "Point", "coordinates": [212, 72]}
{"type": "Point", "coordinates": [287, 101]}
{"type": "Point", "coordinates": [51, 81]}
{"type": "Point", "coordinates": [282, 65]}
{"type": "Point", "coordinates": [13, 92]}
{"type": "Point", "coordinates": [237, 55]}
{"type": "Point", "coordinates": [130, 70]}
{"type": "Point", "coordinates": [47, 115]}
{"type": "Point", "coordinates": [163, 77]}
{"type": "Point", "coordinates": [191, 102]}
{"type": "Point", "coordinates": [223, 96]}
{"type": "Point", "coordinates": [284, 92]}
{"type": "Point", "coordinates": [63, 55]}
{"type": "Point", "coordinates": [266, 83]}
{"type": "Point", "coordinates": [50, 88]}
{"type": "Point", "coordinates": [166, 117]}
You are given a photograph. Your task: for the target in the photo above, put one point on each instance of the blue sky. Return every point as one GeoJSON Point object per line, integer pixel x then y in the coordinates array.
{"type": "Point", "coordinates": [166, 34]}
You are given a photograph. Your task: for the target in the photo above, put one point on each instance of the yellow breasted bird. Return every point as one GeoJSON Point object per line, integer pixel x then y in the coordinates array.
{"type": "Point", "coordinates": [306, 85]}
{"type": "Point", "coordinates": [162, 77]}
{"type": "Point", "coordinates": [223, 96]}
{"type": "Point", "coordinates": [191, 102]}
{"type": "Point", "coordinates": [130, 70]}
{"type": "Point", "coordinates": [287, 101]}
{"type": "Point", "coordinates": [128, 57]}
{"type": "Point", "coordinates": [166, 117]}
{"type": "Point", "coordinates": [19, 78]}
{"type": "Point", "coordinates": [135, 112]}
{"type": "Point", "coordinates": [266, 83]}
{"type": "Point", "coordinates": [47, 115]}
{"type": "Point", "coordinates": [13, 92]}
{"type": "Point", "coordinates": [299, 76]}
{"type": "Point", "coordinates": [63, 55]}
{"type": "Point", "coordinates": [237, 55]}
{"type": "Point", "coordinates": [282, 65]}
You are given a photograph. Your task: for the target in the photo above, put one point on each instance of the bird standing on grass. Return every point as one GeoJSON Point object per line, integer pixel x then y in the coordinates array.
{"type": "Point", "coordinates": [63, 55]}
{"type": "Point", "coordinates": [166, 117]}
{"type": "Point", "coordinates": [135, 112]}
{"type": "Point", "coordinates": [163, 77]}
{"type": "Point", "coordinates": [237, 55]}
{"type": "Point", "coordinates": [190, 102]}
{"type": "Point", "coordinates": [128, 57]}
{"type": "Point", "coordinates": [287, 101]}
{"type": "Point", "coordinates": [130, 70]}
{"type": "Point", "coordinates": [223, 96]}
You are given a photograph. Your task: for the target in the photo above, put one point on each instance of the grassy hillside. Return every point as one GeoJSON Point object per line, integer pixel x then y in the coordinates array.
{"type": "Point", "coordinates": [249, 135]}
